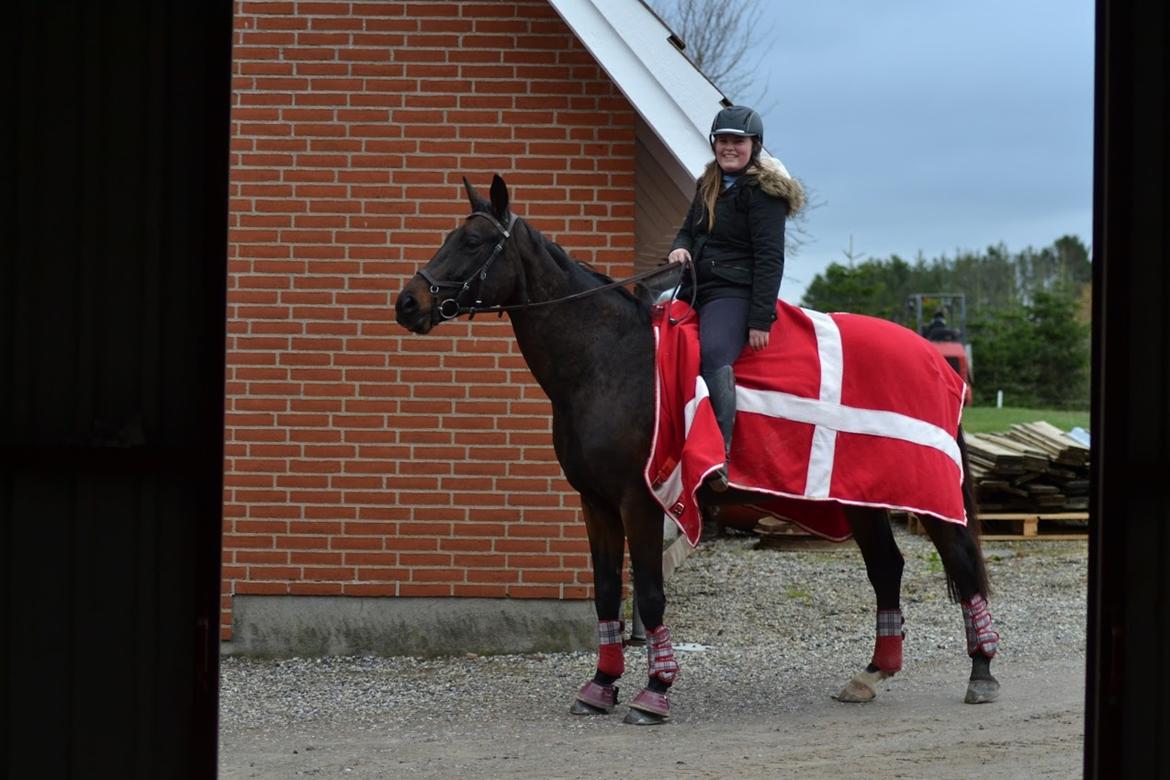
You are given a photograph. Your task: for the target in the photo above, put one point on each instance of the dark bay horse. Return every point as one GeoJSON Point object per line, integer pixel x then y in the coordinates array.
{"type": "Point", "coordinates": [594, 358]}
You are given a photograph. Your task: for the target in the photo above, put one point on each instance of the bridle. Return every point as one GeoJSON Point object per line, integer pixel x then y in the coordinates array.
{"type": "Point", "coordinates": [456, 308]}
{"type": "Point", "coordinates": [438, 285]}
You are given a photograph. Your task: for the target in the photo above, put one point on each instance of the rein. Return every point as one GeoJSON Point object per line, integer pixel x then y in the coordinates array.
{"type": "Point", "coordinates": [457, 308]}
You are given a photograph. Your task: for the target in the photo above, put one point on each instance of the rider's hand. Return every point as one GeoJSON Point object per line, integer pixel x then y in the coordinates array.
{"type": "Point", "coordinates": [679, 255]}
{"type": "Point", "coordinates": [758, 339]}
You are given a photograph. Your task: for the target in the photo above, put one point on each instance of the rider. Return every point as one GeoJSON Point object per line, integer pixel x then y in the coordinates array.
{"type": "Point", "coordinates": [734, 234]}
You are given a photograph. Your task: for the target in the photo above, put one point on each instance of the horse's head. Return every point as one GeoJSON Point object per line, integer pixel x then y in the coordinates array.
{"type": "Point", "coordinates": [468, 270]}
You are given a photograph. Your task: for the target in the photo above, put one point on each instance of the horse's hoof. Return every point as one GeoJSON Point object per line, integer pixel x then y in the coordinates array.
{"type": "Point", "coordinates": [594, 699]}
{"type": "Point", "coordinates": [649, 708]}
{"type": "Point", "coordinates": [643, 718]}
{"type": "Point", "coordinates": [856, 693]}
{"type": "Point", "coordinates": [862, 688]}
{"type": "Point", "coordinates": [581, 708]}
{"type": "Point", "coordinates": [982, 691]}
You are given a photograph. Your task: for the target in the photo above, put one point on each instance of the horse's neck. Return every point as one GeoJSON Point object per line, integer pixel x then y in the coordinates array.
{"type": "Point", "coordinates": [569, 347]}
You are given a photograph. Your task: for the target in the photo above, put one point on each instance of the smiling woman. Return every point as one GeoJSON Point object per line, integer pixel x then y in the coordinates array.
{"type": "Point", "coordinates": [732, 152]}
{"type": "Point", "coordinates": [733, 234]}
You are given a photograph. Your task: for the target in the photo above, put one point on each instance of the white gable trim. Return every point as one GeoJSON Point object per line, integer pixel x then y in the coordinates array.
{"type": "Point", "coordinates": [632, 45]}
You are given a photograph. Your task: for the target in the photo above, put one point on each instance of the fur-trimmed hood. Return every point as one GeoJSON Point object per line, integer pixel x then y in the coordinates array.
{"type": "Point", "coordinates": [775, 180]}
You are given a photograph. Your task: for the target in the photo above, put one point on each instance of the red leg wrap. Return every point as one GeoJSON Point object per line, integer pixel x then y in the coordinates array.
{"type": "Point", "coordinates": [660, 653]}
{"type": "Point", "coordinates": [610, 658]}
{"type": "Point", "coordinates": [887, 654]}
{"type": "Point", "coordinates": [887, 650]}
{"type": "Point", "coordinates": [981, 635]}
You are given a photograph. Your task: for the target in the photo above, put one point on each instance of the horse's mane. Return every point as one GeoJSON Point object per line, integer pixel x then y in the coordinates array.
{"type": "Point", "coordinates": [563, 259]}
{"type": "Point", "coordinates": [571, 265]}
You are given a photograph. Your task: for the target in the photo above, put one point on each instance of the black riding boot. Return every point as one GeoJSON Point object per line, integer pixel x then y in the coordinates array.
{"type": "Point", "coordinates": [721, 386]}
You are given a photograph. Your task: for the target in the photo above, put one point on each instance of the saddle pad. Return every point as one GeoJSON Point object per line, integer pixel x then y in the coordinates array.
{"type": "Point", "coordinates": [838, 409]}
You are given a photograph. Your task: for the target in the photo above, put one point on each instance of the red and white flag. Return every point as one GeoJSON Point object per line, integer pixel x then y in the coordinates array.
{"type": "Point", "coordinates": [838, 409]}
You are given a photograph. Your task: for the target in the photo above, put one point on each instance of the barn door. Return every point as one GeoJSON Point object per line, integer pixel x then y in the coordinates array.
{"type": "Point", "coordinates": [112, 290]}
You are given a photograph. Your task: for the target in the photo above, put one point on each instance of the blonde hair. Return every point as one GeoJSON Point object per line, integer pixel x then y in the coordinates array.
{"type": "Point", "coordinates": [712, 183]}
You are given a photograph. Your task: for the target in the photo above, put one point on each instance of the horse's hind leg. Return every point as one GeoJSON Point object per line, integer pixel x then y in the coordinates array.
{"type": "Point", "coordinates": [606, 544]}
{"type": "Point", "coordinates": [958, 547]}
{"type": "Point", "coordinates": [883, 564]}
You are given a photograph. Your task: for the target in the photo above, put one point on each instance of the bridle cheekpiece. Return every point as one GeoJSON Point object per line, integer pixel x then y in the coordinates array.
{"type": "Point", "coordinates": [437, 285]}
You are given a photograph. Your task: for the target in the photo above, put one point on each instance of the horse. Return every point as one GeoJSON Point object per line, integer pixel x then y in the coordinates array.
{"type": "Point", "coordinates": [589, 343]}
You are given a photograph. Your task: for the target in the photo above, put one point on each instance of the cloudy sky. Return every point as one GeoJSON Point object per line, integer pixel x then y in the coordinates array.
{"type": "Point", "coordinates": [926, 126]}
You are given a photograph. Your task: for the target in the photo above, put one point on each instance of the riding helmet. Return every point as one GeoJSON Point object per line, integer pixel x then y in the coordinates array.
{"type": "Point", "coordinates": [737, 120]}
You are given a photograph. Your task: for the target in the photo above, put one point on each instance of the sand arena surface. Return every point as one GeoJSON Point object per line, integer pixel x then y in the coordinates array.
{"type": "Point", "coordinates": [765, 638]}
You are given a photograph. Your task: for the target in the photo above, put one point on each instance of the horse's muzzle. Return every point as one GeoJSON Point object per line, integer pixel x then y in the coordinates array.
{"type": "Point", "coordinates": [415, 308]}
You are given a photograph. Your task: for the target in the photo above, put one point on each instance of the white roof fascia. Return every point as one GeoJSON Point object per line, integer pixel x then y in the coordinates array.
{"type": "Point", "coordinates": [632, 45]}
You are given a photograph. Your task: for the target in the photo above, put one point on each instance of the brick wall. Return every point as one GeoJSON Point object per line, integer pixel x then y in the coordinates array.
{"type": "Point", "coordinates": [361, 460]}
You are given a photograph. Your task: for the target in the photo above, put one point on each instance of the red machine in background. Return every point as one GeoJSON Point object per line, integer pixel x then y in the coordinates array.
{"type": "Point", "coordinates": [946, 329]}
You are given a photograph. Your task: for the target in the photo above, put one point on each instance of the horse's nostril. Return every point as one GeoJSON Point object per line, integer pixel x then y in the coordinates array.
{"type": "Point", "coordinates": [407, 303]}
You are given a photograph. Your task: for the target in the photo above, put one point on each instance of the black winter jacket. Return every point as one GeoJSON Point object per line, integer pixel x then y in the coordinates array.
{"type": "Point", "coordinates": [743, 256]}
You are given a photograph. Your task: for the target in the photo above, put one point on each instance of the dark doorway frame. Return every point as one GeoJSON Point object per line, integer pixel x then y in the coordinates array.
{"type": "Point", "coordinates": [1127, 722]}
{"type": "Point", "coordinates": [111, 371]}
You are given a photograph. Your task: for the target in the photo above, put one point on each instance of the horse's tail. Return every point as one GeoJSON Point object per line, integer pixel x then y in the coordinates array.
{"type": "Point", "coordinates": [972, 509]}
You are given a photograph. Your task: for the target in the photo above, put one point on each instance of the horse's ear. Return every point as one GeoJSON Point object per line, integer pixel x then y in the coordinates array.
{"type": "Point", "coordinates": [499, 198]}
{"type": "Point", "coordinates": [477, 201]}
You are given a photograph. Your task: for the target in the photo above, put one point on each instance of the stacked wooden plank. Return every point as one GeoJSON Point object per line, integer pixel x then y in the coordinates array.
{"type": "Point", "coordinates": [1032, 482]}
{"type": "Point", "coordinates": [1034, 467]}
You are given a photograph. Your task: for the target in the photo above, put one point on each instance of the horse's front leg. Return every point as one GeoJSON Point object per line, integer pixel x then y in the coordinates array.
{"type": "Point", "coordinates": [883, 564]}
{"type": "Point", "coordinates": [606, 542]}
{"type": "Point", "coordinates": [643, 522]}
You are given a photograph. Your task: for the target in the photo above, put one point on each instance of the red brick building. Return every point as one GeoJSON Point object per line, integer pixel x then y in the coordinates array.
{"type": "Point", "coordinates": [367, 468]}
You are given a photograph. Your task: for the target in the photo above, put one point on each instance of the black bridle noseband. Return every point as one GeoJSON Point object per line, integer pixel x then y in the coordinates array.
{"type": "Point", "coordinates": [456, 308]}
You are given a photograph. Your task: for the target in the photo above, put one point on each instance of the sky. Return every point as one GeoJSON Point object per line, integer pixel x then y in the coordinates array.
{"type": "Point", "coordinates": [929, 127]}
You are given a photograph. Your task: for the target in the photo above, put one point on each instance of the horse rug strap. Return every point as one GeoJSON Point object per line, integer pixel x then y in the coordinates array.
{"type": "Point", "coordinates": [838, 409]}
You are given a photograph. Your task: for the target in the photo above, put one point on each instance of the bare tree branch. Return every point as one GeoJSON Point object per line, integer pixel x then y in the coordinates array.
{"type": "Point", "coordinates": [719, 36]}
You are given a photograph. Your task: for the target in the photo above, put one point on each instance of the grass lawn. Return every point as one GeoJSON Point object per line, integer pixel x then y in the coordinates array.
{"type": "Point", "coordinates": [988, 419]}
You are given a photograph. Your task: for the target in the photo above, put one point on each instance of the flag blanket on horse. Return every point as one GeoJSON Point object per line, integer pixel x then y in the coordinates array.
{"type": "Point", "coordinates": [838, 409]}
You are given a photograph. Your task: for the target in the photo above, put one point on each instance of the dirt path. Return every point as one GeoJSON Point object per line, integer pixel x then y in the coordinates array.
{"type": "Point", "coordinates": [918, 728]}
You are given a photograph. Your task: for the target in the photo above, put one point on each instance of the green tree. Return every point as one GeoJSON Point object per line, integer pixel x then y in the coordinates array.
{"type": "Point", "coordinates": [874, 287]}
{"type": "Point", "coordinates": [1002, 349]}
{"type": "Point", "coordinates": [1037, 353]}
{"type": "Point", "coordinates": [1062, 348]}
{"type": "Point", "coordinates": [988, 279]}
{"type": "Point", "coordinates": [1062, 266]}
{"type": "Point", "coordinates": [1025, 311]}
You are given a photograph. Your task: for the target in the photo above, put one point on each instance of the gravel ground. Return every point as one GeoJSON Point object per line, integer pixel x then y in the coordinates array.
{"type": "Point", "coordinates": [764, 637]}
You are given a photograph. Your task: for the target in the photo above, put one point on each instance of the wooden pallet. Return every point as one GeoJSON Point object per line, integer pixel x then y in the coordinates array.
{"type": "Point", "coordinates": [1054, 526]}
{"type": "Point", "coordinates": [1008, 526]}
